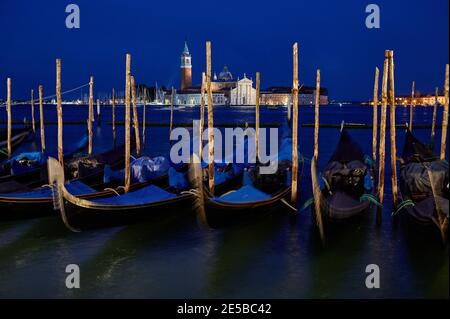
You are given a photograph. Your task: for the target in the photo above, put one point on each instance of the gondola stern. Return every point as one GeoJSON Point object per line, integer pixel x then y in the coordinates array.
{"type": "Point", "coordinates": [56, 181]}
{"type": "Point", "coordinates": [195, 176]}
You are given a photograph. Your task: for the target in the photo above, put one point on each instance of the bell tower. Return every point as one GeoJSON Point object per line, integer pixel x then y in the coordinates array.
{"type": "Point", "coordinates": [186, 68]}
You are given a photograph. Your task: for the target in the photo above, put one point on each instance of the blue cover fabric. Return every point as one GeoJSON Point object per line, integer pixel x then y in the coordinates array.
{"type": "Point", "coordinates": [177, 180]}
{"type": "Point", "coordinates": [285, 147]}
{"type": "Point", "coordinates": [79, 188]}
{"type": "Point", "coordinates": [368, 182]}
{"type": "Point", "coordinates": [146, 168]}
{"type": "Point", "coordinates": [425, 210]}
{"type": "Point", "coordinates": [80, 145]}
{"type": "Point", "coordinates": [41, 192]}
{"type": "Point", "coordinates": [245, 194]}
{"type": "Point", "coordinates": [413, 150]}
{"type": "Point", "coordinates": [109, 175]}
{"type": "Point", "coordinates": [347, 150]}
{"type": "Point", "coordinates": [27, 161]}
{"type": "Point", "coordinates": [146, 195]}
{"type": "Point", "coordinates": [30, 161]}
{"type": "Point", "coordinates": [221, 177]}
{"type": "Point", "coordinates": [246, 179]}
{"type": "Point", "coordinates": [142, 169]}
{"type": "Point", "coordinates": [75, 188]}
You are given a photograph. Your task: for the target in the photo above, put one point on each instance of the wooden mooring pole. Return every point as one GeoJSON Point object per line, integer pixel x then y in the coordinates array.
{"type": "Point", "coordinates": [411, 107]}
{"type": "Point", "coordinates": [127, 123]}
{"type": "Point", "coordinates": [392, 129]}
{"type": "Point", "coordinates": [315, 183]}
{"type": "Point", "coordinates": [257, 116]}
{"type": "Point", "coordinates": [294, 125]}
{"type": "Point", "coordinates": [8, 110]}
{"type": "Point", "coordinates": [316, 117]}
{"type": "Point", "coordinates": [445, 116]}
{"type": "Point", "coordinates": [135, 117]}
{"type": "Point", "coordinates": [382, 152]}
{"type": "Point", "coordinates": [33, 123]}
{"type": "Point", "coordinates": [202, 115]}
{"type": "Point", "coordinates": [433, 124]}
{"type": "Point", "coordinates": [41, 119]}
{"type": "Point", "coordinates": [375, 116]}
{"type": "Point", "coordinates": [210, 120]}
{"type": "Point", "coordinates": [91, 114]}
{"type": "Point", "coordinates": [59, 112]}
{"type": "Point", "coordinates": [144, 115]}
{"type": "Point", "coordinates": [171, 112]}
{"type": "Point", "coordinates": [113, 114]}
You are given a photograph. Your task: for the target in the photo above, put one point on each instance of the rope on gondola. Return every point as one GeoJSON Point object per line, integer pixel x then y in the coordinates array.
{"type": "Point", "coordinates": [370, 198]}
{"type": "Point", "coordinates": [402, 205]}
{"type": "Point", "coordinates": [288, 205]}
{"type": "Point", "coordinates": [112, 190]}
{"type": "Point", "coordinates": [307, 204]}
{"type": "Point", "coordinates": [190, 192]}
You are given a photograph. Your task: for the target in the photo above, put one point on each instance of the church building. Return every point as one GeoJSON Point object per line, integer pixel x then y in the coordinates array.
{"type": "Point", "coordinates": [226, 90]}
{"type": "Point", "coordinates": [243, 93]}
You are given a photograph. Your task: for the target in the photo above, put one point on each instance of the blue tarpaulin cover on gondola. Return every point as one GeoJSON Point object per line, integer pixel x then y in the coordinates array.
{"type": "Point", "coordinates": [26, 161]}
{"type": "Point", "coordinates": [80, 145]}
{"type": "Point", "coordinates": [147, 195]}
{"type": "Point", "coordinates": [29, 161]}
{"type": "Point", "coordinates": [75, 188]}
{"type": "Point", "coordinates": [421, 164]}
{"type": "Point", "coordinates": [79, 188]}
{"type": "Point", "coordinates": [142, 169]}
{"type": "Point", "coordinates": [222, 176]}
{"type": "Point", "coordinates": [177, 180]}
{"type": "Point", "coordinates": [347, 150]}
{"type": "Point", "coordinates": [285, 148]}
{"type": "Point", "coordinates": [414, 150]}
{"type": "Point", "coordinates": [247, 193]}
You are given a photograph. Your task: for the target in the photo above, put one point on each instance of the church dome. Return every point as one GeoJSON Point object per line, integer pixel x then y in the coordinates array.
{"type": "Point", "coordinates": [225, 75]}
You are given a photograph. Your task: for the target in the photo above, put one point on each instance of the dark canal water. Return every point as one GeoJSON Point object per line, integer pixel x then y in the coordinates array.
{"type": "Point", "coordinates": [278, 256]}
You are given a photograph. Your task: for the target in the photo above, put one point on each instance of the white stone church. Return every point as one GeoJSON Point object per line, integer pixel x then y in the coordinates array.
{"type": "Point", "coordinates": [243, 93]}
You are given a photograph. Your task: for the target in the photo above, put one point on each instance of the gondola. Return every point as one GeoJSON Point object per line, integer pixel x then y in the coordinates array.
{"type": "Point", "coordinates": [30, 168]}
{"type": "Point", "coordinates": [18, 136]}
{"type": "Point", "coordinates": [14, 131]}
{"type": "Point", "coordinates": [345, 188]}
{"type": "Point", "coordinates": [424, 189]}
{"type": "Point", "coordinates": [145, 203]}
{"type": "Point", "coordinates": [255, 194]}
{"type": "Point", "coordinates": [23, 201]}
{"type": "Point", "coordinates": [87, 178]}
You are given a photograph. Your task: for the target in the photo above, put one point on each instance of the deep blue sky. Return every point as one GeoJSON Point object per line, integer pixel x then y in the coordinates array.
{"type": "Point", "coordinates": [248, 36]}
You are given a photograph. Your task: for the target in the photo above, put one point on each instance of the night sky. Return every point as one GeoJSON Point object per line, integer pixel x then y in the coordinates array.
{"type": "Point", "coordinates": [247, 36]}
